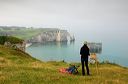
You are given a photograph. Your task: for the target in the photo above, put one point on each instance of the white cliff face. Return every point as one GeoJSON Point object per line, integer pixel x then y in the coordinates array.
{"type": "Point", "coordinates": [20, 46]}
{"type": "Point", "coordinates": [39, 38]}
{"type": "Point", "coordinates": [59, 35]}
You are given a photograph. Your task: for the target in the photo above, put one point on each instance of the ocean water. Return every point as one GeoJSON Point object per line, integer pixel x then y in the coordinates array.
{"type": "Point", "coordinates": [114, 49]}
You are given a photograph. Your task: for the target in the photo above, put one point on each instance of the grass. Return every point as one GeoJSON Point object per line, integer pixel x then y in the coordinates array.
{"type": "Point", "coordinates": [17, 67]}
{"type": "Point", "coordinates": [26, 34]}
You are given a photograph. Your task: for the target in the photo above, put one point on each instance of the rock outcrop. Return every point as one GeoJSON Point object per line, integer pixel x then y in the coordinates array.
{"type": "Point", "coordinates": [13, 42]}
{"type": "Point", "coordinates": [49, 36]}
{"type": "Point", "coordinates": [20, 46]}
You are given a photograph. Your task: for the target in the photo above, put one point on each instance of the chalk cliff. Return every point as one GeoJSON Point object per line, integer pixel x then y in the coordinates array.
{"type": "Point", "coordinates": [36, 35]}
{"type": "Point", "coordinates": [49, 36]}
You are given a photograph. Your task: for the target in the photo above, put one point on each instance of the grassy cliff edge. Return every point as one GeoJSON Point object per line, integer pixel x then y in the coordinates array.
{"type": "Point", "coordinates": [17, 67]}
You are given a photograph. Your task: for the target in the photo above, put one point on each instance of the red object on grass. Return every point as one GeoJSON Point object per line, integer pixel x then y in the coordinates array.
{"type": "Point", "coordinates": [63, 70]}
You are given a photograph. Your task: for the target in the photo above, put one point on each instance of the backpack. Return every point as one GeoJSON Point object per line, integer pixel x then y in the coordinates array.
{"type": "Point", "coordinates": [72, 69]}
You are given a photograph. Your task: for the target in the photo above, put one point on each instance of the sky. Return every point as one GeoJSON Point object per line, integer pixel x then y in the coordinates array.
{"type": "Point", "coordinates": [96, 16]}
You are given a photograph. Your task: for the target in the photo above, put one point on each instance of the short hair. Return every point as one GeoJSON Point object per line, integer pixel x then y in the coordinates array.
{"type": "Point", "coordinates": [85, 42]}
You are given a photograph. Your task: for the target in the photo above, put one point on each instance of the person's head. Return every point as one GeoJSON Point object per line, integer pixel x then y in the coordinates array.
{"type": "Point", "coordinates": [85, 42]}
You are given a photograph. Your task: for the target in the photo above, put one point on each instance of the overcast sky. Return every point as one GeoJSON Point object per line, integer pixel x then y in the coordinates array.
{"type": "Point", "coordinates": [67, 14]}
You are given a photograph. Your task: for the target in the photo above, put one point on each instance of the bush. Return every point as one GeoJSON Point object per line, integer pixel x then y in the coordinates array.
{"type": "Point", "coordinates": [3, 39]}
{"type": "Point", "coordinates": [12, 40]}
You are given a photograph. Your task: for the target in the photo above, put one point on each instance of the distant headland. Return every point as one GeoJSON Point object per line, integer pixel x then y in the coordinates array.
{"type": "Point", "coordinates": [37, 35]}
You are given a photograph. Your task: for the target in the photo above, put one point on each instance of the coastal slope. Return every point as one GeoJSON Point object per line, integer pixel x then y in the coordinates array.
{"type": "Point", "coordinates": [18, 67]}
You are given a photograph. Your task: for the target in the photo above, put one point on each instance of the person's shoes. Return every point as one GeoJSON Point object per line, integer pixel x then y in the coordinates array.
{"type": "Point", "coordinates": [83, 74]}
{"type": "Point", "coordinates": [88, 74]}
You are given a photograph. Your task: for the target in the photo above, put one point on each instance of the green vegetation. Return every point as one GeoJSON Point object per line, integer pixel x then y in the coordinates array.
{"type": "Point", "coordinates": [10, 39]}
{"type": "Point", "coordinates": [24, 33]}
{"type": "Point", "coordinates": [17, 67]}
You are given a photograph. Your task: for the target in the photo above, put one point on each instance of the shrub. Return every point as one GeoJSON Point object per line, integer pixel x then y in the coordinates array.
{"type": "Point", "coordinates": [12, 40]}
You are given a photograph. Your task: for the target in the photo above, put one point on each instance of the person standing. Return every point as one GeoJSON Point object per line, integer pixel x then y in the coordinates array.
{"type": "Point", "coordinates": [84, 52]}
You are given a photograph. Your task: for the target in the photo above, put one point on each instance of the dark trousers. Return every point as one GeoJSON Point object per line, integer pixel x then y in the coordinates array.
{"type": "Point", "coordinates": [84, 62]}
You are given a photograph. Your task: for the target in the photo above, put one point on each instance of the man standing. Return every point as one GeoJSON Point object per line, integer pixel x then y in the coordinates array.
{"type": "Point", "coordinates": [84, 52]}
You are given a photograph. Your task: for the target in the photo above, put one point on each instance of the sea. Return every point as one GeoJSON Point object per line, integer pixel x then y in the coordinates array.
{"type": "Point", "coordinates": [114, 48]}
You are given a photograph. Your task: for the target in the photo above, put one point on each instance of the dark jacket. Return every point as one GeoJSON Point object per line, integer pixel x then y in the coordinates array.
{"type": "Point", "coordinates": [84, 51]}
